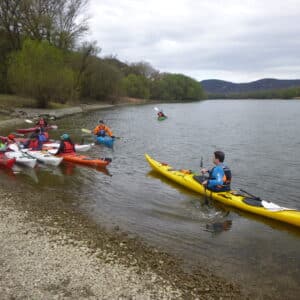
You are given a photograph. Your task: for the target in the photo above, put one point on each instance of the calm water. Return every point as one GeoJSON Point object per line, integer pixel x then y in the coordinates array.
{"type": "Point", "coordinates": [261, 141]}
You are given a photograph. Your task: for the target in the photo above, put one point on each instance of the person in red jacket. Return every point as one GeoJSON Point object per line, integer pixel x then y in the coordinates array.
{"type": "Point", "coordinates": [34, 143]}
{"type": "Point", "coordinates": [41, 123]}
{"type": "Point", "coordinates": [66, 145]}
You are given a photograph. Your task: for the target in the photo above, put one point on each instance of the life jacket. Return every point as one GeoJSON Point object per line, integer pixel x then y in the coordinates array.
{"type": "Point", "coordinates": [226, 178]}
{"type": "Point", "coordinates": [68, 147]}
{"type": "Point", "coordinates": [102, 127]}
{"type": "Point", "coordinates": [42, 137]}
{"type": "Point", "coordinates": [101, 132]}
{"type": "Point", "coordinates": [34, 144]}
{"type": "Point", "coordinates": [41, 123]}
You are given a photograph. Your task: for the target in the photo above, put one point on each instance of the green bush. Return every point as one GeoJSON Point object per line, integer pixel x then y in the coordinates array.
{"type": "Point", "coordinates": [38, 70]}
{"type": "Point", "coordinates": [136, 86]}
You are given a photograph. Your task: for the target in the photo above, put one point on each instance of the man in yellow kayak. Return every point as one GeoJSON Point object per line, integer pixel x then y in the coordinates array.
{"type": "Point", "coordinates": [219, 178]}
{"type": "Point", "coordinates": [102, 130]}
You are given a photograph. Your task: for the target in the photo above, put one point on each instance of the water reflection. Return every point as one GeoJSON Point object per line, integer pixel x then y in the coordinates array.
{"type": "Point", "coordinates": [219, 227]}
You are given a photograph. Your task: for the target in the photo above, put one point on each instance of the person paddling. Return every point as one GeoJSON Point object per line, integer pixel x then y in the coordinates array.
{"type": "Point", "coordinates": [160, 114]}
{"type": "Point", "coordinates": [66, 145]}
{"type": "Point", "coordinates": [102, 130]}
{"type": "Point", "coordinates": [41, 123]}
{"type": "Point", "coordinates": [219, 178]}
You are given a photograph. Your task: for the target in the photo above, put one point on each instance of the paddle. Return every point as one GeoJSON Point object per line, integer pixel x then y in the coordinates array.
{"type": "Point", "coordinates": [53, 151]}
{"type": "Point", "coordinates": [254, 197]}
{"type": "Point", "coordinates": [157, 109]}
{"type": "Point", "coordinates": [54, 127]}
{"type": "Point", "coordinates": [86, 130]}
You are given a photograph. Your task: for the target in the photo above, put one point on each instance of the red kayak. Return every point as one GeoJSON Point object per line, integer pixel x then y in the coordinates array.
{"type": "Point", "coordinates": [85, 160]}
{"type": "Point", "coordinates": [33, 129]}
{"type": "Point", "coordinates": [6, 162]}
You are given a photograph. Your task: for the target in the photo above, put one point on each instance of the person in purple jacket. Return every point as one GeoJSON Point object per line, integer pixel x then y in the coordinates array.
{"type": "Point", "coordinates": [219, 178]}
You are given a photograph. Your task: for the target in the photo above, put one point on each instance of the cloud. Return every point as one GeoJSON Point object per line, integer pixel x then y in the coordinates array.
{"type": "Point", "coordinates": [242, 40]}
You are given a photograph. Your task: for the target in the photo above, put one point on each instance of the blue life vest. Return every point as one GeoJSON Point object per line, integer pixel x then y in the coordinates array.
{"type": "Point", "coordinates": [101, 132]}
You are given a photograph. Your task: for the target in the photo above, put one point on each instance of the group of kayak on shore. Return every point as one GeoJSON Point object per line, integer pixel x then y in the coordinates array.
{"type": "Point", "coordinates": [40, 136]}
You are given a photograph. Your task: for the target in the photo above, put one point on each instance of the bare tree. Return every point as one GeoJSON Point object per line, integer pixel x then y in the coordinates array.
{"type": "Point", "coordinates": [61, 22]}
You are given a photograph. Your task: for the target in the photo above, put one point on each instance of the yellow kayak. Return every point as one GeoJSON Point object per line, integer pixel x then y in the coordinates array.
{"type": "Point", "coordinates": [231, 198]}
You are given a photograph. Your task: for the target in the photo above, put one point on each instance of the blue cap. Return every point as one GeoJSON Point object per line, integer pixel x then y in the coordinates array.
{"type": "Point", "coordinates": [65, 136]}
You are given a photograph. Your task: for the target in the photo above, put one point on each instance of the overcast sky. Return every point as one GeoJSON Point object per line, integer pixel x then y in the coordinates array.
{"type": "Point", "coordinates": [234, 40]}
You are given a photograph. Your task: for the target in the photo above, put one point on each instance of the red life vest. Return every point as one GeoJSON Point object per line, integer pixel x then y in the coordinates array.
{"type": "Point", "coordinates": [68, 147]}
{"type": "Point", "coordinates": [34, 145]}
{"type": "Point", "coordinates": [42, 122]}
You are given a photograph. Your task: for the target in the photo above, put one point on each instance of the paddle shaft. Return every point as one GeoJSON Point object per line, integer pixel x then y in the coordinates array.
{"type": "Point", "coordinates": [254, 197]}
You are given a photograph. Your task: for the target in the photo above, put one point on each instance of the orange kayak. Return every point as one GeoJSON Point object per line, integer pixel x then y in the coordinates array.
{"type": "Point", "coordinates": [85, 160]}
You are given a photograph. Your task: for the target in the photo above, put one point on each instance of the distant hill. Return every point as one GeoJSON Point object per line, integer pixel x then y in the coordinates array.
{"type": "Point", "coordinates": [220, 87]}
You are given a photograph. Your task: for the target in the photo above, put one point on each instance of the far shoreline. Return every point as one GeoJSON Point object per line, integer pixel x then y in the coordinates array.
{"type": "Point", "coordinates": [20, 114]}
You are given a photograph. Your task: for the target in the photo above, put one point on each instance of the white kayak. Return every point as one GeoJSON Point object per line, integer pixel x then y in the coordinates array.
{"type": "Point", "coordinates": [22, 158]}
{"type": "Point", "coordinates": [45, 157]}
{"type": "Point", "coordinates": [78, 147]}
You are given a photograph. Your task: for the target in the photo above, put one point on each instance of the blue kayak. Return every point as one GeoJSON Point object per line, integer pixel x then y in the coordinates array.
{"type": "Point", "coordinates": [105, 140]}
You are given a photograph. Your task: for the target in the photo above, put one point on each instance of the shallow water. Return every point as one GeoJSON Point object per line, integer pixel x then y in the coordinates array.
{"type": "Point", "coordinates": [261, 142]}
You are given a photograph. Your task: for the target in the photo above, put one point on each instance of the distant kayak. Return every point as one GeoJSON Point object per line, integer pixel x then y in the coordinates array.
{"type": "Point", "coordinates": [250, 204]}
{"type": "Point", "coordinates": [33, 129]}
{"type": "Point", "coordinates": [85, 160]}
{"type": "Point", "coordinates": [162, 118]}
{"type": "Point", "coordinates": [105, 140]}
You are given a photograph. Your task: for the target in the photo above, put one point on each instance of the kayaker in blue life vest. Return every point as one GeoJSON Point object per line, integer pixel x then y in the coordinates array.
{"type": "Point", "coordinates": [219, 176]}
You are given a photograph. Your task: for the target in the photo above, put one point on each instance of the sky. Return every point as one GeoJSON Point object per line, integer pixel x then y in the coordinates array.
{"type": "Point", "coordinates": [232, 40]}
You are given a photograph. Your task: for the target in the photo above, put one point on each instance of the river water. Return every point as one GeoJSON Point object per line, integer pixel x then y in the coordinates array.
{"type": "Point", "coordinates": [261, 141]}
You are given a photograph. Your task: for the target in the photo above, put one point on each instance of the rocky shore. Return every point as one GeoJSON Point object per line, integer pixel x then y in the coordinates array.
{"type": "Point", "coordinates": [48, 253]}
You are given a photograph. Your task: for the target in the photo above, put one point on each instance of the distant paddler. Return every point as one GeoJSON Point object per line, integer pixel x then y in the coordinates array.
{"type": "Point", "coordinates": [102, 130]}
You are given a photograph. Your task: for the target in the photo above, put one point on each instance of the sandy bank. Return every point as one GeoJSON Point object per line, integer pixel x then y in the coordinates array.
{"type": "Point", "coordinates": [50, 252]}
